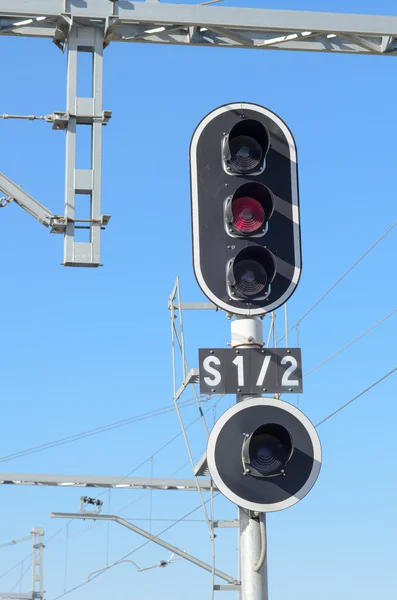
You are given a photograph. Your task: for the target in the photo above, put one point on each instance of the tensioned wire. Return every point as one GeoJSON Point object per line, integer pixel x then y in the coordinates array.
{"type": "Point", "coordinates": [170, 441]}
{"type": "Point", "coordinates": [209, 499]}
{"type": "Point", "coordinates": [135, 549]}
{"type": "Point", "coordinates": [165, 409]}
{"type": "Point", "coordinates": [97, 430]}
{"type": "Point", "coordinates": [180, 433]}
{"type": "Point", "coordinates": [170, 407]}
{"type": "Point", "coordinates": [384, 234]}
{"type": "Point", "coordinates": [100, 430]}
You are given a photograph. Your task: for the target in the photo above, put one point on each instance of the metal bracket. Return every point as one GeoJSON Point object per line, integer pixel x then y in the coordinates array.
{"type": "Point", "coordinates": [110, 28]}
{"type": "Point", "coordinates": [201, 469]}
{"type": "Point", "coordinates": [87, 501]}
{"type": "Point", "coordinates": [60, 120]}
{"type": "Point", "coordinates": [59, 224]}
{"type": "Point", "coordinates": [227, 588]}
{"type": "Point", "coordinates": [63, 27]}
{"type": "Point", "coordinates": [227, 524]}
{"type": "Point", "coordinates": [192, 377]}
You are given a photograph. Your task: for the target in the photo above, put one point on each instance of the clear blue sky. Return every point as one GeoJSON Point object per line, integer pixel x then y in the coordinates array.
{"type": "Point", "coordinates": [82, 348]}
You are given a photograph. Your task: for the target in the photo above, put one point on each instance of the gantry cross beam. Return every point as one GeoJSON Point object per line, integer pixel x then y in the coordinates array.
{"type": "Point", "coordinates": [158, 22]}
{"type": "Point", "coordinates": [99, 481]}
{"type": "Point", "coordinates": [77, 26]}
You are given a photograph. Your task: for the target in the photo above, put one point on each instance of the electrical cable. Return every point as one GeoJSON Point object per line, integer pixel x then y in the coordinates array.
{"type": "Point", "coordinates": [55, 534]}
{"type": "Point", "coordinates": [351, 343]}
{"type": "Point", "coordinates": [66, 556]}
{"type": "Point", "coordinates": [263, 533]}
{"type": "Point", "coordinates": [121, 509]}
{"type": "Point", "coordinates": [148, 491]}
{"type": "Point", "coordinates": [262, 528]}
{"type": "Point", "coordinates": [96, 431]}
{"type": "Point", "coordinates": [21, 576]}
{"type": "Point", "coordinates": [384, 234]}
{"type": "Point", "coordinates": [191, 402]}
{"type": "Point", "coordinates": [15, 566]}
{"type": "Point", "coordinates": [108, 527]}
{"type": "Point", "coordinates": [117, 511]}
{"type": "Point", "coordinates": [168, 443]}
{"type": "Point", "coordinates": [356, 397]}
{"type": "Point", "coordinates": [15, 542]}
{"type": "Point", "coordinates": [80, 585]}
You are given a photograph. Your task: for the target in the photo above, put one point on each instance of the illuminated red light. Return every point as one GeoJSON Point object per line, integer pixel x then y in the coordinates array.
{"type": "Point", "coordinates": [248, 214]}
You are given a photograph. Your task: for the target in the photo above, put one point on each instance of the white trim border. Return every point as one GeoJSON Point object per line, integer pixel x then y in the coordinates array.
{"type": "Point", "coordinates": [195, 222]}
{"type": "Point", "coordinates": [214, 470]}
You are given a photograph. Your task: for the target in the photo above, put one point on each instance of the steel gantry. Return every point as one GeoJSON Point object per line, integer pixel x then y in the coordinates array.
{"type": "Point", "coordinates": [76, 26]}
{"type": "Point", "coordinates": [37, 593]}
{"type": "Point", "coordinates": [201, 25]}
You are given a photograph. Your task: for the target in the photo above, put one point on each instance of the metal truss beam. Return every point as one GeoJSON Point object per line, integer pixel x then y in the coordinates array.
{"type": "Point", "coordinates": [199, 25]}
{"type": "Point", "coordinates": [152, 538]}
{"type": "Point", "coordinates": [132, 483]}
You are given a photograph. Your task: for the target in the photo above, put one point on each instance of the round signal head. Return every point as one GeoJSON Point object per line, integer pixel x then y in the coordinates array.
{"type": "Point", "coordinates": [264, 454]}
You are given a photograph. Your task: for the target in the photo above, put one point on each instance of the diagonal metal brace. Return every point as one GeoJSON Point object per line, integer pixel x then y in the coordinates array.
{"type": "Point", "coordinates": [149, 536]}
{"type": "Point", "coordinates": [26, 201]}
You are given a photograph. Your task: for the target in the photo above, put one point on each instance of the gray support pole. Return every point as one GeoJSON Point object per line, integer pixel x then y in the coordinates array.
{"type": "Point", "coordinates": [248, 332]}
{"type": "Point", "coordinates": [253, 583]}
{"type": "Point", "coordinates": [37, 564]}
{"type": "Point", "coordinates": [84, 112]}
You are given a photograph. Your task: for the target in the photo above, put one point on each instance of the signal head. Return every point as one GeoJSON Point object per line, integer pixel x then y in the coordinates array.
{"type": "Point", "coordinates": [245, 209]}
{"type": "Point", "coordinates": [264, 454]}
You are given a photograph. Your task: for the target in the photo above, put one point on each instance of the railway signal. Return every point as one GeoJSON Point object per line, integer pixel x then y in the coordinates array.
{"type": "Point", "coordinates": [264, 454]}
{"type": "Point", "coordinates": [245, 209]}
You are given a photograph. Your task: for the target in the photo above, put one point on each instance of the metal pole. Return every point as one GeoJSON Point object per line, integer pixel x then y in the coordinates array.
{"type": "Point", "coordinates": [37, 564]}
{"type": "Point", "coordinates": [252, 546]}
{"type": "Point", "coordinates": [248, 332]}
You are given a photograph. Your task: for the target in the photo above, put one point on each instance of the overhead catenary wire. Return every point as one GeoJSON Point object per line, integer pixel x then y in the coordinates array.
{"type": "Point", "coordinates": [65, 574]}
{"type": "Point", "coordinates": [209, 500]}
{"type": "Point", "coordinates": [15, 542]}
{"type": "Point", "coordinates": [335, 412]}
{"type": "Point", "coordinates": [23, 573]}
{"type": "Point", "coordinates": [98, 430]}
{"type": "Point", "coordinates": [356, 339]}
{"type": "Point", "coordinates": [80, 585]}
{"type": "Point", "coordinates": [146, 493]}
{"type": "Point", "coordinates": [15, 566]}
{"type": "Point", "coordinates": [384, 234]}
{"type": "Point", "coordinates": [169, 442]}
